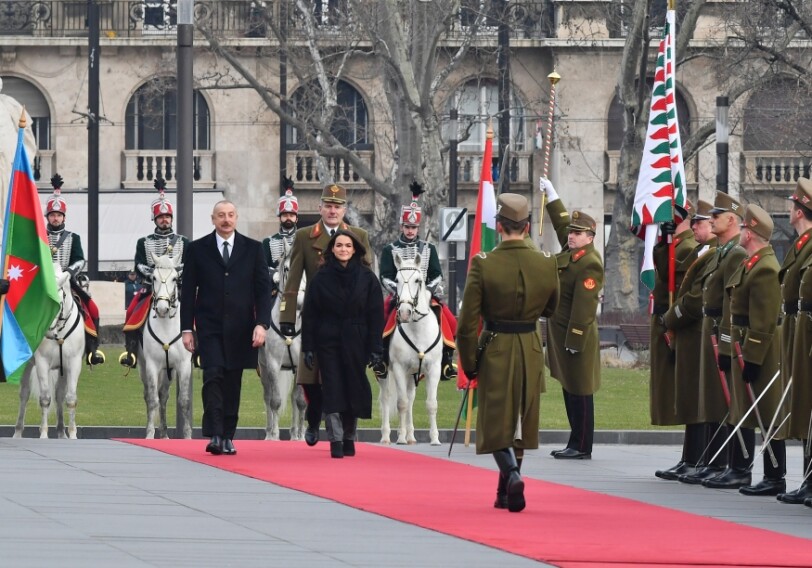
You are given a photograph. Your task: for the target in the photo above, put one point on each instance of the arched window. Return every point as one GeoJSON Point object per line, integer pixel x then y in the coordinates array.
{"type": "Point", "coordinates": [350, 121]}
{"type": "Point", "coordinates": [36, 105]}
{"type": "Point", "coordinates": [151, 118]}
{"type": "Point", "coordinates": [615, 120]}
{"type": "Point", "coordinates": [477, 103]}
{"type": "Point", "coordinates": [778, 118]}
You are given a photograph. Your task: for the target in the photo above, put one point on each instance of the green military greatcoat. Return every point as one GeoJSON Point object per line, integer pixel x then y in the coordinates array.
{"type": "Point", "coordinates": [716, 321]}
{"type": "Point", "coordinates": [662, 392]}
{"type": "Point", "coordinates": [515, 282]}
{"type": "Point", "coordinates": [572, 332]}
{"type": "Point", "coordinates": [801, 391]}
{"type": "Point", "coordinates": [755, 300]}
{"type": "Point", "coordinates": [308, 245]}
{"type": "Point", "coordinates": [684, 320]}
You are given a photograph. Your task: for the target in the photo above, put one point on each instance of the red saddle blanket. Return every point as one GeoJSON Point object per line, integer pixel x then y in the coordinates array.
{"type": "Point", "coordinates": [448, 323]}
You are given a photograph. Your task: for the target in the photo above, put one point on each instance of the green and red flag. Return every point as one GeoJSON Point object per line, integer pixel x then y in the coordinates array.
{"type": "Point", "coordinates": [483, 238]}
{"type": "Point", "coordinates": [661, 183]}
{"type": "Point", "coordinates": [32, 300]}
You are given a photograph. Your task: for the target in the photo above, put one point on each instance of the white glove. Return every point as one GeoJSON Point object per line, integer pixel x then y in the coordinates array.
{"type": "Point", "coordinates": [275, 277]}
{"type": "Point", "coordinates": [546, 186]}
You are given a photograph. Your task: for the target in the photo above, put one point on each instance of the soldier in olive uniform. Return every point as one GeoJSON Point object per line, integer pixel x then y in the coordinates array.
{"type": "Point", "coordinates": [67, 252]}
{"type": "Point", "coordinates": [796, 331]}
{"type": "Point", "coordinates": [713, 407]}
{"type": "Point", "coordinates": [305, 259]}
{"type": "Point", "coordinates": [408, 246]}
{"type": "Point", "coordinates": [162, 242]}
{"type": "Point", "coordinates": [509, 289]}
{"type": "Point", "coordinates": [276, 246]}
{"type": "Point", "coordinates": [572, 332]}
{"type": "Point", "coordinates": [661, 376]}
{"type": "Point", "coordinates": [684, 323]}
{"type": "Point", "coordinates": [755, 294]}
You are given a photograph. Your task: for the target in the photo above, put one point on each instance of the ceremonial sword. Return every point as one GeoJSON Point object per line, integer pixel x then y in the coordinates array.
{"type": "Point", "coordinates": [479, 352]}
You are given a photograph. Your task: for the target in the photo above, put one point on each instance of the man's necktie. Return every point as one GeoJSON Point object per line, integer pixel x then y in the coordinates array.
{"type": "Point", "coordinates": [332, 232]}
{"type": "Point", "coordinates": [226, 256]}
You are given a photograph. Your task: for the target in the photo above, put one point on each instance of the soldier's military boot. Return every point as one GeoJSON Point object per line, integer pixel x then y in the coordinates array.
{"type": "Point", "coordinates": [128, 358]}
{"type": "Point", "coordinates": [449, 369]}
{"type": "Point", "coordinates": [501, 501]}
{"type": "Point", "coordinates": [514, 484]}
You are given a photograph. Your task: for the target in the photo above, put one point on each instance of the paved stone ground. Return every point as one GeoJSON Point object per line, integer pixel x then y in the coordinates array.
{"type": "Point", "coordinates": [99, 503]}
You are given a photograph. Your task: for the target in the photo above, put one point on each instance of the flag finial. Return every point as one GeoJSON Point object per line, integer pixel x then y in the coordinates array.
{"type": "Point", "coordinates": [489, 133]}
{"type": "Point", "coordinates": [554, 77]}
{"type": "Point", "coordinates": [23, 121]}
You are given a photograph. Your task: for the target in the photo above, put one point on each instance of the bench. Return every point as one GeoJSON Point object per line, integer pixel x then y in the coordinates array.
{"type": "Point", "coordinates": [636, 336]}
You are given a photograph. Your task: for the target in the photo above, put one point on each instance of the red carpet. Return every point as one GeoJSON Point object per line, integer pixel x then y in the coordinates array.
{"type": "Point", "coordinates": [562, 525]}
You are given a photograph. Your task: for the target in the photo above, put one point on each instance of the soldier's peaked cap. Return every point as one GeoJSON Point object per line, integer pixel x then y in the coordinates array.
{"type": "Point", "coordinates": [723, 203]}
{"type": "Point", "coordinates": [334, 194]}
{"type": "Point", "coordinates": [703, 210]}
{"type": "Point", "coordinates": [803, 193]}
{"type": "Point", "coordinates": [759, 221]}
{"type": "Point", "coordinates": [513, 207]}
{"type": "Point", "coordinates": [580, 221]}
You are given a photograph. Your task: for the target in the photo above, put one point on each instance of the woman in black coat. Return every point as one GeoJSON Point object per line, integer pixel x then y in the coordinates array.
{"type": "Point", "coordinates": [342, 324]}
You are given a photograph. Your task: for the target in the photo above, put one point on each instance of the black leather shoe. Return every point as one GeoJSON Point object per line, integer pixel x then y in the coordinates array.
{"type": "Point", "coordinates": [766, 486]}
{"type": "Point", "coordinates": [337, 449]}
{"type": "Point", "coordinates": [554, 452]}
{"type": "Point", "coordinates": [672, 474]}
{"type": "Point", "coordinates": [215, 446]}
{"type": "Point", "coordinates": [349, 448]}
{"type": "Point", "coordinates": [228, 447]}
{"type": "Point", "coordinates": [808, 502]}
{"type": "Point", "coordinates": [312, 435]}
{"type": "Point", "coordinates": [701, 474]}
{"type": "Point", "coordinates": [798, 496]}
{"type": "Point", "coordinates": [572, 454]}
{"type": "Point", "coordinates": [730, 479]}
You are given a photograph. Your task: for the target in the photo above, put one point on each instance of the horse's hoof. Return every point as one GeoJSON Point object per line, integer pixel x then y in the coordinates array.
{"type": "Point", "coordinates": [17, 435]}
{"type": "Point", "coordinates": [436, 443]}
{"type": "Point", "coordinates": [412, 442]}
{"type": "Point", "coordinates": [386, 441]}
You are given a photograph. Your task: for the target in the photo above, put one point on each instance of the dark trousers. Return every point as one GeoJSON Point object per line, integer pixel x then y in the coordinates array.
{"type": "Point", "coordinates": [581, 415]}
{"type": "Point", "coordinates": [314, 397]}
{"type": "Point", "coordinates": [221, 401]}
{"type": "Point", "coordinates": [779, 448]}
{"type": "Point", "coordinates": [714, 444]}
{"type": "Point", "coordinates": [693, 443]}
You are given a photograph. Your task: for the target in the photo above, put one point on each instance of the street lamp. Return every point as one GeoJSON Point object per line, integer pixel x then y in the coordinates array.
{"type": "Point", "coordinates": [452, 202]}
{"type": "Point", "coordinates": [184, 166]}
{"type": "Point", "coordinates": [722, 133]}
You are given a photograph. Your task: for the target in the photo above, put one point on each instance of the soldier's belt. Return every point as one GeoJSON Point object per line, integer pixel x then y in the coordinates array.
{"type": "Point", "coordinates": [659, 309]}
{"type": "Point", "coordinates": [804, 306]}
{"type": "Point", "coordinates": [791, 307]}
{"type": "Point", "coordinates": [741, 321]}
{"type": "Point", "coordinates": [510, 326]}
{"type": "Point", "coordinates": [712, 312]}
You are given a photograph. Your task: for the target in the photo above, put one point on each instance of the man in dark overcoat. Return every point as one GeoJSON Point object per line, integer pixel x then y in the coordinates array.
{"type": "Point", "coordinates": [572, 332]}
{"type": "Point", "coordinates": [794, 268]}
{"type": "Point", "coordinates": [305, 258]}
{"type": "Point", "coordinates": [226, 297]}
{"type": "Point", "coordinates": [508, 289]}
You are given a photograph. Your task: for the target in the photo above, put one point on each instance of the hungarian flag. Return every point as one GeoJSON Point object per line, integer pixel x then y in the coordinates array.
{"type": "Point", "coordinates": [484, 234]}
{"type": "Point", "coordinates": [32, 301]}
{"type": "Point", "coordinates": [661, 183]}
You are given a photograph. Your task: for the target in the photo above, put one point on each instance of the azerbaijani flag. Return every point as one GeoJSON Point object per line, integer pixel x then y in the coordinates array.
{"type": "Point", "coordinates": [484, 234]}
{"type": "Point", "coordinates": [32, 300]}
{"type": "Point", "coordinates": [661, 183]}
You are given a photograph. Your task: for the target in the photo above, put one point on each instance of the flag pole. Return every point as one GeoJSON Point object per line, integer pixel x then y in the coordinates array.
{"type": "Point", "coordinates": [672, 246]}
{"type": "Point", "coordinates": [554, 78]}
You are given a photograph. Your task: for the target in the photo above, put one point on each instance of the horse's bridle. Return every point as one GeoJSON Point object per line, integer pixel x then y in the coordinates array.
{"type": "Point", "coordinates": [57, 327]}
{"type": "Point", "coordinates": [171, 299]}
{"type": "Point", "coordinates": [413, 297]}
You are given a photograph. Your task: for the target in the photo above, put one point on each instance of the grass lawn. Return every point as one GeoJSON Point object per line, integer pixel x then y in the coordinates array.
{"type": "Point", "coordinates": [108, 398]}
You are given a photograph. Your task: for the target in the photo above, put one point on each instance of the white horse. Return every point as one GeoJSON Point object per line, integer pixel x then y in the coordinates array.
{"type": "Point", "coordinates": [414, 353]}
{"type": "Point", "coordinates": [163, 356]}
{"type": "Point", "coordinates": [54, 369]}
{"type": "Point", "coordinates": [277, 364]}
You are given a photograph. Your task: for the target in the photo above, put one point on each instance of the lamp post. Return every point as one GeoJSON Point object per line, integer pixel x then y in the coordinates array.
{"type": "Point", "coordinates": [722, 134]}
{"type": "Point", "coordinates": [93, 55]}
{"type": "Point", "coordinates": [452, 202]}
{"type": "Point", "coordinates": [184, 168]}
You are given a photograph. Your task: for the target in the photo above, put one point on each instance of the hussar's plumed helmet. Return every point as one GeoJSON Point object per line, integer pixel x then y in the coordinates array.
{"type": "Point", "coordinates": [56, 203]}
{"type": "Point", "coordinates": [161, 206]}
{"type": "Point", "coordinates": [288, 202]}
{"type": "Point", "coordinates": [412, 214]}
